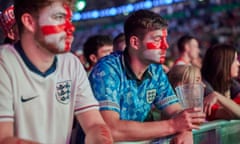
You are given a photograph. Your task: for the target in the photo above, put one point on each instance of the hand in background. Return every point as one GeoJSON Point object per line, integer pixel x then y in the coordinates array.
{"type": "Point", "coordinates": [209, 101]}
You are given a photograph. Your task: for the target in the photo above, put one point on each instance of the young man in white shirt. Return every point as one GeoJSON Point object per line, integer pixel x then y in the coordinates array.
{"type": "Point", "coordinates": [42, 86]}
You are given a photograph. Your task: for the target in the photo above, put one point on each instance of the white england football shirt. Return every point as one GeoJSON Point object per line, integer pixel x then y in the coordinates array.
{"type": "Point", "coordinates": [42, 106]}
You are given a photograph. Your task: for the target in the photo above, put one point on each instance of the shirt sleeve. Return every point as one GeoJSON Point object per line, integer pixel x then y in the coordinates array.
{"type": "Point", "coordinates": [105, 83]}
{"type": "Point", "coordinates": [6, 96]}
{"type": "Point", "coordinates": [85, 99]}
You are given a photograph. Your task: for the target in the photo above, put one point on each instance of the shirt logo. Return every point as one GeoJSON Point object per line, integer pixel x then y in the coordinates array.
{"type": "Point", "coordinates": [27, 99]}
{"type": "Point", "coordinates": [63, 91]}
{"type": "Point", "coordinates": [151, 95]}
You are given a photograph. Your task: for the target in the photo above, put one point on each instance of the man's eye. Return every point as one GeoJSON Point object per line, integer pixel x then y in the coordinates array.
{"type": "Point", "coordinates": [59, 17]}
{"type": "Point", "coordinates": [158, 39]}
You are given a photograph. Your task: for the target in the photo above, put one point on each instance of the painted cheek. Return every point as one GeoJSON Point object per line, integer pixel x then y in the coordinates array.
{"type": "Point", "coordinates": [151, 45]}
{"type": "Point", "coordinates": [67, 27]}
{"type": "Point", "coordinates": [52, 29]}
{"type": "Point", "coordinates": [163, 45]}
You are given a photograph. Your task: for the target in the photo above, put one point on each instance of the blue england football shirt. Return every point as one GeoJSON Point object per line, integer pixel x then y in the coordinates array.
{"type": "Point", "coordinates": [116, 87]}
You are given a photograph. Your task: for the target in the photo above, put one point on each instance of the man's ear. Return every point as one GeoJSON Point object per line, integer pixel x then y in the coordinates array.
{"type": "Point", "coordinates": [29, 22]}
{"type": "Point", "coordinates": [187, 47]}
{"type": "Point", "coordinates": [134, 42]}
{"type": "Point", "coordinates": [11, 34]}
{"type": "Point", "coordinates": [93, 58]}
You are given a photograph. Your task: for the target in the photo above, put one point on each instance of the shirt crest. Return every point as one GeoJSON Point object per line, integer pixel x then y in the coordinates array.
{"type": "Point", "coordinates": [63, 91]}
{"type": "Point", "coordinates": [151, 95]}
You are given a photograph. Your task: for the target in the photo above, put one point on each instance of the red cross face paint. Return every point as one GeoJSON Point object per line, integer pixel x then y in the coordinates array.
{"type": "Point", "coordinates": [56, 26]}
{"type": "Point", "coordinates": [156, 50]}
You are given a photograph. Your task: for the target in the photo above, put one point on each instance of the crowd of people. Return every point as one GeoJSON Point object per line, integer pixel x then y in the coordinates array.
{"type": "Point", "coordinates": [208, 23]}
{"type": "Point", "coordinates": [105, 92]}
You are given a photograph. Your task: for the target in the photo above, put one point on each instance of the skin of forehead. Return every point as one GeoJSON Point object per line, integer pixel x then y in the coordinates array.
{"type": "Point", "coordinates": [48, 12]}
{"type": "Point", "coordinates": [159, 32]}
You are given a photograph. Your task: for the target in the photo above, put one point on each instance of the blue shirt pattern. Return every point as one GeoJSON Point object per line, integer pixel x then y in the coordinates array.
{"type": "Point", "coordinates": [118, 90]}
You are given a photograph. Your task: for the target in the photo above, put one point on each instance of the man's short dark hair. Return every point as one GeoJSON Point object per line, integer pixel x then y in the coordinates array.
{"type": "Point", "coordinates": [141, 22]}
{"type": "Point", "coordinates": [118, 39]}
{"type": "Point", "coordinates": [93, 43]}
{"type": "Point", "coordinates": [182, 41]}
{"type": "Point", "coordinates": [33, 7]}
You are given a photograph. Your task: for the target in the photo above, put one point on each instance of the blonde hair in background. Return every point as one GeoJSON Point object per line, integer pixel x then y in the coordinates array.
{"type": "Point", "coordinates": [183, 74]}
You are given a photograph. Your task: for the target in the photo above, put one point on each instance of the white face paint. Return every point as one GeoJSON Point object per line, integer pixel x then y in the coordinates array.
{"type": "Point", "coordinates": [152, 55]}
{"type": "Point", "coordinates": [155, 46]}
{"type": "Point", "coordinates": [53, 24]}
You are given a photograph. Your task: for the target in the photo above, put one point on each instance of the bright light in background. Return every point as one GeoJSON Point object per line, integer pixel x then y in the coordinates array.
{"type": "Point", "coordinates": [148, 4]}
{"type": "Point", "coordinates": [80, 5]}
{"type": "Point", "coordinates": [123, 9]}
{"type": "Point", "coordinates": [76, 16]}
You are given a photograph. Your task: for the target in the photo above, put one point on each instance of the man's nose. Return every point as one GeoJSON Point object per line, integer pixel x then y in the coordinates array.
{"type": "Point", "coordinates": [69, 27]}
{"type": "Point", "coordinates": [164, 45]}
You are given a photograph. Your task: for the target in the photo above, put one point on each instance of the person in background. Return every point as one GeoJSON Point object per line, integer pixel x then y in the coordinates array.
{"type": "Point", "coordinates": [184, 74]}
{"type": "Point", "coordinates": [96, 47]}
{"type": "Point", "coordinates": [169, 63]}
{"type": "Point", "coordinates": [189, 51]}
{"type": "Point", "coordinates": [8, 25]}
{"type": "Point", "coordinates": [119, 43]}
{"type": "Point", "coordinates": [43, 85]}
{"type": "Point", "coordinates": [238, 77]}
{"type": "Point", "coordinates": [178, 75]}
{"type": "Point", "coordinates": [220, 67]}
{"type": "Point", "coordinates": [79, 53]}
{"type": "Point", "coordinates": [128, 83]}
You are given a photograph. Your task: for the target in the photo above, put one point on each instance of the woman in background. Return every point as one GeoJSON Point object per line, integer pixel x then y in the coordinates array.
{"type": "Point", "coordinates": [220, 67]}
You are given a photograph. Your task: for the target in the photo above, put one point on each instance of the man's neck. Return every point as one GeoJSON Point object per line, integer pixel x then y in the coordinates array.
{"type": "Point", "coordinates": [137, 67]}
{"type": "Point", "coordinates": [184, 57]}
{"type": "Point", "coordinates": [39, 56]}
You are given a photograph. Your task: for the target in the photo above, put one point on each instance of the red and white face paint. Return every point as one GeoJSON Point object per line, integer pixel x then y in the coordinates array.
{"type": "Point", "coordinates": [156, 50]}
{"type": "Point", "coordinates": [56, 26]}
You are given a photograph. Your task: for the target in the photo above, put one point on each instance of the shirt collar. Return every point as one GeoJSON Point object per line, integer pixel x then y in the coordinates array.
{"type": "Point", "coordinates": [30, 65]}
{"type": "Point", "coordinates": [130, 74]}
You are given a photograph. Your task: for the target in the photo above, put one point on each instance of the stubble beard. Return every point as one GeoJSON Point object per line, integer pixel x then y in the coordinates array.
{"type": "Point", "coordinates": [48, 46]}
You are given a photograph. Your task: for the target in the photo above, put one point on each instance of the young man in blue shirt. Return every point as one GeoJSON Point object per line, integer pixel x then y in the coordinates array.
{"type": "Point", "coordinates": [127, 84]}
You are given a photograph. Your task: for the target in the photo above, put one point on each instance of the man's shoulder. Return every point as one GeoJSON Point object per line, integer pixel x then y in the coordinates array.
{"type": "Point", "coordinates": [68, 60]}
{"type": "Point", "coordinates": [6, 47]}
{"type": "Point", "coordinates": [7, 50]}
{"type": "Point", "coordinates": [108, 64]}
{"type": "Point", "coordinates": [156, 68]}
{"type": "Point", "coordinates": [114, 56]}
{"type": "Point", "coordinates": [112, 60]}
{"type": "Point", "coordinates": [67, 57]}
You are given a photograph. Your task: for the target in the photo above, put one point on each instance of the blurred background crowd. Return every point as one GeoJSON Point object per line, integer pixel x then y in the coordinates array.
{"type": "Point", "coordinates": [210, 21]}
